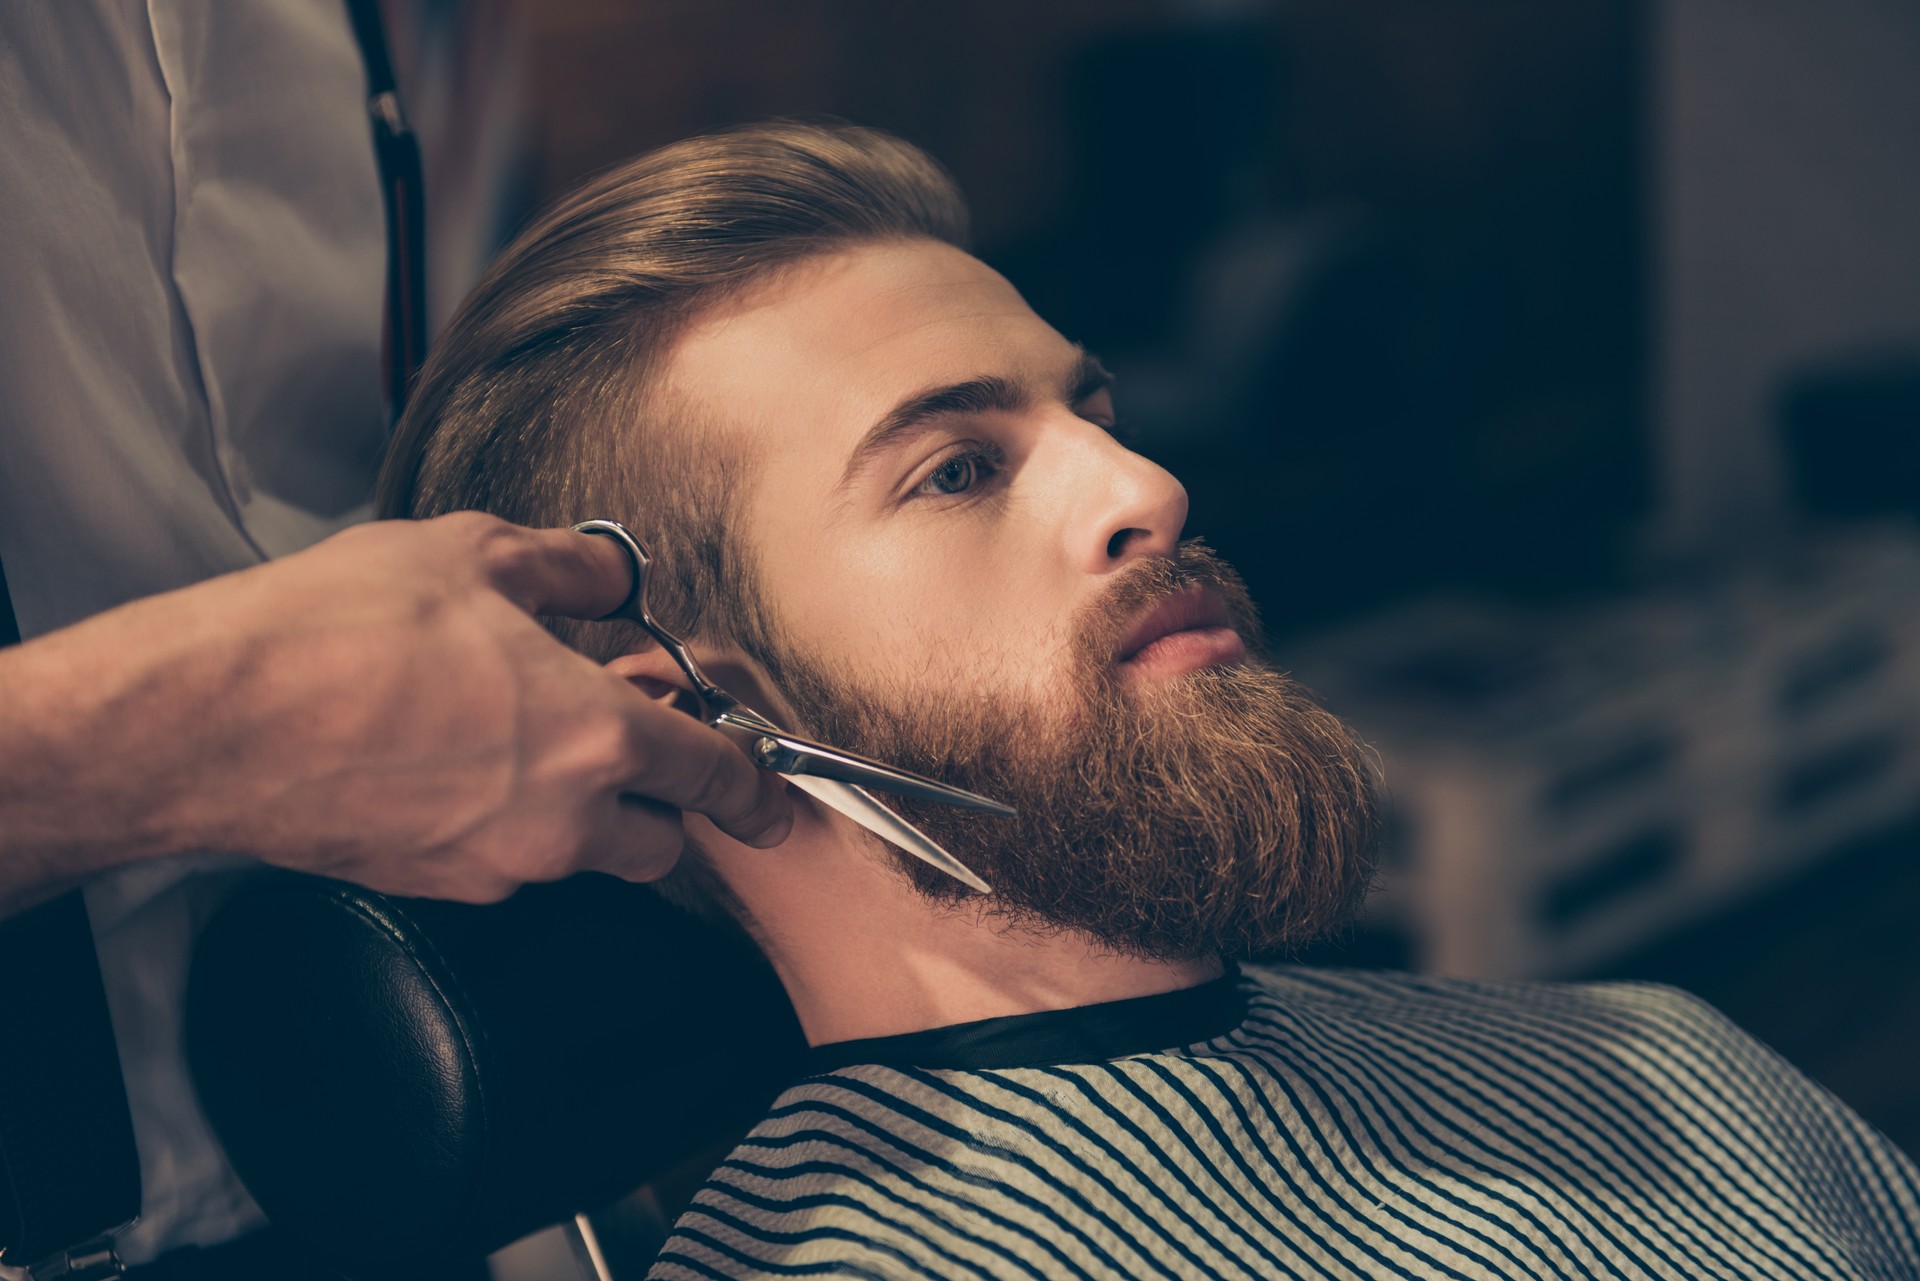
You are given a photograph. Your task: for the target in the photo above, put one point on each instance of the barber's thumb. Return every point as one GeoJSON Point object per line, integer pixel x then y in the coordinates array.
{"type": "Point", "coordinates": [770, 821]}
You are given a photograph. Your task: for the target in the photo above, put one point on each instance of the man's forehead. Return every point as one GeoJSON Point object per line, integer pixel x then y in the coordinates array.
{"type": "Point", "coordinates": [812, 356]}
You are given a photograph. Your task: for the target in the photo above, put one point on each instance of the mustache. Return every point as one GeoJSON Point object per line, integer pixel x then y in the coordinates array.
{"type": "Point", "coordinates": [1102, 624]}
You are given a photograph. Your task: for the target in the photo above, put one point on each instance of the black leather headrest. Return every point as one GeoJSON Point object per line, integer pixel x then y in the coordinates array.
{"type": "Point", "coordinates": [402, 1080]}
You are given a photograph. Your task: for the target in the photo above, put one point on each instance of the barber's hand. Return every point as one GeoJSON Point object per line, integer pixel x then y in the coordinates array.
{"type": "Point", "coordinates": [383, 708]}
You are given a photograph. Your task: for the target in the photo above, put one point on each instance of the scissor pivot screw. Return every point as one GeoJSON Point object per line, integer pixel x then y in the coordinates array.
{"type": "Point", "coordinates": [768, 752]}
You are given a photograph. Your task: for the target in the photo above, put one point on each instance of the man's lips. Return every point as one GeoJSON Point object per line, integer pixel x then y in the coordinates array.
{"type": "Point", "coordinates": [1197, 609]}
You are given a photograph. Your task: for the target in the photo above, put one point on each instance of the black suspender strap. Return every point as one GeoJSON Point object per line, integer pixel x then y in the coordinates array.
{"type": "Point", "coordinates": [9, 625]}
{"type": "Point", "coordinates": [403, 186]}
{"type": "Point", "coordinates": [69, 1172]}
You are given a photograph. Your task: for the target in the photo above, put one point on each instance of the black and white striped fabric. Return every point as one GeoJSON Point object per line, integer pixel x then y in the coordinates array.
{"type": "Point", "coordinates": [1352, 1125]}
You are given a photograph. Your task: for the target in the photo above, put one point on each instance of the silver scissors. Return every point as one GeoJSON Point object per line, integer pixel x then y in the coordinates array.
{"type": "Point", "coordinates": [834, 777]}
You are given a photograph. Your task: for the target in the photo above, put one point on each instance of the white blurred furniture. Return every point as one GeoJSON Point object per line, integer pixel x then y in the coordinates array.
{"type": "Point", "coordinates": [1568, 785]}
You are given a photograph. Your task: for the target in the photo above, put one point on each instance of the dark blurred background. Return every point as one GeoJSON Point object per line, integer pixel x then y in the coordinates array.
{"type": "Point", "coordinates": [1552, 372]}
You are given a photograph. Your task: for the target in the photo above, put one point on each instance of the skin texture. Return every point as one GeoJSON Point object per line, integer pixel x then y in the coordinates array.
{"type": "Point", "coordinates": [899, 586]}
{"type": "Point", "coordinates": [911, 588]}
{"type": "Point", "coordinates": [381, 707]}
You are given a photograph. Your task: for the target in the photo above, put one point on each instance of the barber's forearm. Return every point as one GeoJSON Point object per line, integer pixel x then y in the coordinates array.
{"type": "Point", "coordinates": [101, 725]}
{"type": "Point", "coordinates": [381, 708]}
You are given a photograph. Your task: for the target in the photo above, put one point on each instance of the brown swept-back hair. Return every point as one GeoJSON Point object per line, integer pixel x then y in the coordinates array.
{"type": "Point", "coordinates": [536, 405]}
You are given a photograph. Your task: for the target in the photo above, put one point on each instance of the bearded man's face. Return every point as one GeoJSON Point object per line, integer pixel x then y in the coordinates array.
{"type": "Point", "coordinates": [1215, 810]}
{"type": "Point", "coordinates": [956, 557]}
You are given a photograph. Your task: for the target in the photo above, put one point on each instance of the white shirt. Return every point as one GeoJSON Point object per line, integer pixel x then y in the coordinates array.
{"type": "Point", "coordinates": [192, 260]}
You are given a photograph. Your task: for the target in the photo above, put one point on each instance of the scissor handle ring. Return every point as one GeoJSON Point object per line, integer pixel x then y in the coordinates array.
{"type": "Point", "coordinates": [634, 607]}
{"type": "Point", "coordinates": [634, 610]}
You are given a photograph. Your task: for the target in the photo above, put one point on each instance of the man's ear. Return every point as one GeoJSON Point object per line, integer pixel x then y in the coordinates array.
{"type": "Point", "coordinates": [654, 673]}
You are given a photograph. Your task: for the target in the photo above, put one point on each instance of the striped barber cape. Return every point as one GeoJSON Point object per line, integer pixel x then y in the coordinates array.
{"type": "Point", "coordinates": [1313, 1123]}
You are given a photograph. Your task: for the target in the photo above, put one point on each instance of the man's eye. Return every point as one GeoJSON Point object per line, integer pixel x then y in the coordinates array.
{"type": "Point", "coordinates": [960, 472]}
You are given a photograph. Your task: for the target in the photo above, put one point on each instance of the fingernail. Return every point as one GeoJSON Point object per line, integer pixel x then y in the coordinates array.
{"type": "Point", "coordinates": [778, 830]}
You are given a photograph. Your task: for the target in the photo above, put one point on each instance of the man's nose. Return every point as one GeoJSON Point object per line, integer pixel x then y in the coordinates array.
{"type": "Point", "coordinates": [1138, 508]}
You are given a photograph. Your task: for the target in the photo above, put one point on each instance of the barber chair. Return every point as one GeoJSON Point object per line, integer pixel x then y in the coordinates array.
{"type": "Point", "coordinates": [407, 1086]}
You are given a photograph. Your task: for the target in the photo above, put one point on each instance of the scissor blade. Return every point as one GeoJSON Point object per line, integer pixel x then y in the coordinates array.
{"type": "Point", "coordinates": [830, 762]}
{"type": "Point", "coordinates": [792, 755]}
{"type": "Point", "coordinates": [857, 804]}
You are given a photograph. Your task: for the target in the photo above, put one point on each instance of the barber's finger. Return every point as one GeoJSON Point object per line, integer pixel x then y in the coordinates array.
{"type": "Point", "coordinates": [556, 571]}
{"type": "Point", "coordinates": [689, 766]}
{"type": "Point", "coordinates": [638, 839]}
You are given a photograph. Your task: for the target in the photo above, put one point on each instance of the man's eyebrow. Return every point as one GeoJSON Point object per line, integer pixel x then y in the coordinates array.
{"type": "Point", "coordinates": [916, 414]}
{"type": "Point", "coordinates": [1087, 377]}
{"type": "Point", "coordinates": [989, 393]}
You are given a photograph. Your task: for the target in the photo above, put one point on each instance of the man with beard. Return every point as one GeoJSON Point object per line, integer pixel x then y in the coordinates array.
{"type": "Point", "coordinates": [890, 509]}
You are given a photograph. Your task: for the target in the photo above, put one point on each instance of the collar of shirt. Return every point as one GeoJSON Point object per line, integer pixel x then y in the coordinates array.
{"type": "Point", "coordinates": [1086, 1033]}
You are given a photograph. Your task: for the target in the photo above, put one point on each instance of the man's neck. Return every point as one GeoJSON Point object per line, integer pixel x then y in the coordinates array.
{"type": "Point", "coordinates": [863, 954]}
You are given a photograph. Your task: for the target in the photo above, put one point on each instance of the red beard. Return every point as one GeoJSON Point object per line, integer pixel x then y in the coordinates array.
{"type": "Point", "coordinates": [1219, 811]}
